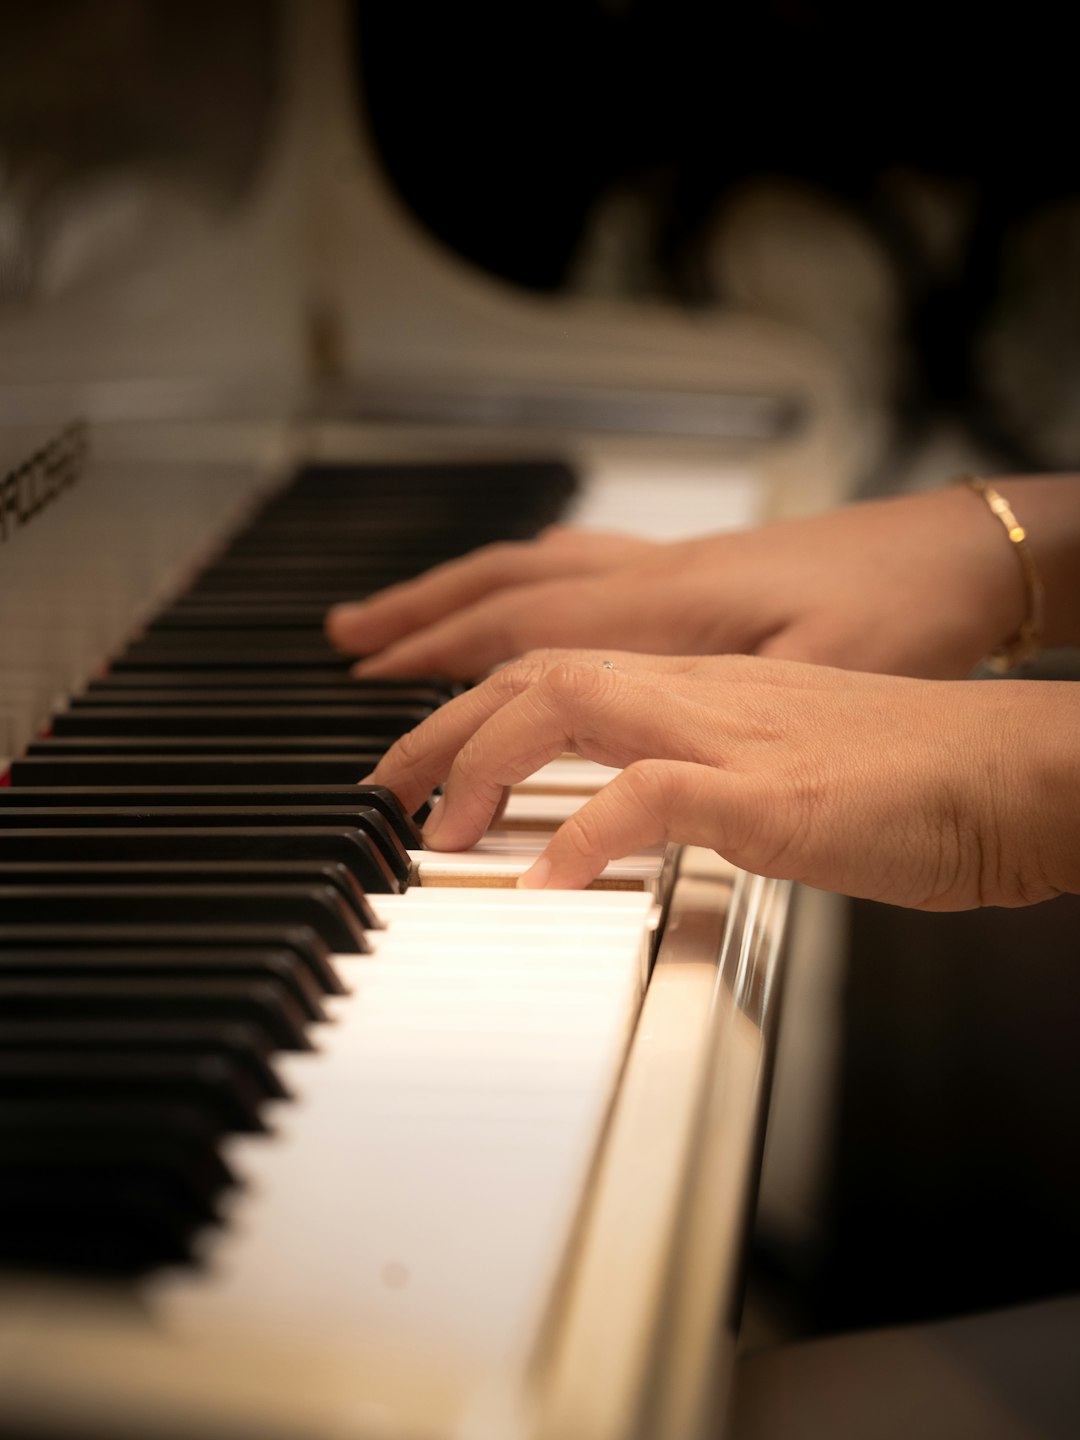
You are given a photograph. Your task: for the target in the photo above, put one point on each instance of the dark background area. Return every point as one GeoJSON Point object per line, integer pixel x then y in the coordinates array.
{"type": "Point", "coordinates": [502, 126]}
{"type": "Point", "coordinates": [957, 1180]}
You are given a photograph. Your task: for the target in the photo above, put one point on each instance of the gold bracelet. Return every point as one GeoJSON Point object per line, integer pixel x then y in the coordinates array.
{"type": "Point", "coordinates": [1027, 642]}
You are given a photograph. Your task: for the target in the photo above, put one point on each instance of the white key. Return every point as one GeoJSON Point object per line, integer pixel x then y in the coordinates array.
{"type": "Point", "coordinates": [423, 1182]}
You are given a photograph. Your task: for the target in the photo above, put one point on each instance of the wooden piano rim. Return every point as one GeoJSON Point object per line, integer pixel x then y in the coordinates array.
{"type": "Point", "coordinates": [645, 1340]}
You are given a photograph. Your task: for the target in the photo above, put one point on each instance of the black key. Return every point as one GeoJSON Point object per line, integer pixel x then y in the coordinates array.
{"type": "Point", "coordinates": [328, 698]}
{"type": "Point", "coordinates": [196, 679]}
{"type": "Point", "coordinates": [226, 746]}
{"type": "Point", "coordinates": [106, 1185]}
{"type": "Point", "coordinates": [219, 872]}
{"type": "Point", "coordinates": [204, 1080]}
{"type": "Point", "coordinates": [318, 906]}
{"type": "Point", "coordinates": [264, 1006]}
{"type": "Point", "coordinates": [314, 594]}
{"type": "Point", "coordinates": [148, 655]}
{"type": "Point", "coordinates": [284, 683]}
{"type": "Point", "coordinates": [363, 818]}
{"type": "Point", "coordinates": [246, 1050]}
{"type": "Point", "coordinates": [63, 952]}
{"type": "Point", "coordinates": [266, 642]}
{"type": "Point", "coordinates": [343, 844]}
{"type": "Point", "coordinates": [272, 770]}
{"type": "Point", "coordinates": [284, 570]}
{"type": "Point", "coordinates": [311, 596]}
{"type": "Point", "coordinates": [234, 580]}
{"type": "Point", "coordinates": [366, 727]}
{"type": "Point", "coordinates": [163, 652]}
{"type": "Point", "coordinates": [304, 618]}
{"type": "Point", "coordinates": [310, 954]}
{"type": "Point", "coordinates": [377, 796]}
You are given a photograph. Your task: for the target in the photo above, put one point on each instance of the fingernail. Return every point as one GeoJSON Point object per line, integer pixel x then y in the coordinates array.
{"type": "Point", "coordinates": [537, 876]}
{"type": "Point", "coordinates": [433, 822]}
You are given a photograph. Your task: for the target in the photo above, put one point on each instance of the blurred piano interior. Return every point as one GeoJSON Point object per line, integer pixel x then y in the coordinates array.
{"type": "Point", "coordinates": [203, 264]}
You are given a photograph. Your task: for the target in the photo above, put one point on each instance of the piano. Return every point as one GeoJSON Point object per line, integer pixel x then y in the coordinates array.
{"type": "Point", "coordinates": [309, 1132]}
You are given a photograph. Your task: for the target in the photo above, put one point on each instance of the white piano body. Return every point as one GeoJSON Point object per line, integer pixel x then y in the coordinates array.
{"type": "Point", "coordinates": [316, 321]}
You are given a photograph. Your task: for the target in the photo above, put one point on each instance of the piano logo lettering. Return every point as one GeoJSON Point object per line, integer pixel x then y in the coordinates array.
{"type": "Point", "coordinates": [30, 487]}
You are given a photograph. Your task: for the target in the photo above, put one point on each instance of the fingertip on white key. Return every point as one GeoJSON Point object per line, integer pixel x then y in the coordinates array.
{"type": "Point", "coordinates": [537, 875]}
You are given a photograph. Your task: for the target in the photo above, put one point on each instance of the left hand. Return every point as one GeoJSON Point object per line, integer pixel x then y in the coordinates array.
{"type": "Point", "coordinates": [908, 791]}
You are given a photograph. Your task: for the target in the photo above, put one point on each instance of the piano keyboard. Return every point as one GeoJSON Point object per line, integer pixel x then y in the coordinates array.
{"type": "Point", "coordinates": [251, 879]}
{"type": "Point", "coordinates": [295, 1086]}
{"type": "Point", "coordinates": [431, 1160]}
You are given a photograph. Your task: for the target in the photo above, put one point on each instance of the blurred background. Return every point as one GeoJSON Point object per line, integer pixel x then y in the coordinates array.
{"type": "Point", "coordinates": [898, 180]}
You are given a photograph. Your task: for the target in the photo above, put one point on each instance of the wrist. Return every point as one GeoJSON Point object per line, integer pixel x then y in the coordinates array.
{"type": "Point", "coordinates": [1035, 789]}
{"type": "Point", "coordinates": [1024, 643]}
{"type": "Point", "coordinates": [987, 582]}
{"type": "Point", "coordinates": [1048, 507]}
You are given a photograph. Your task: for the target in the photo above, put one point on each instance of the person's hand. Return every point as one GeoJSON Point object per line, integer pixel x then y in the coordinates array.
{"type": "Point", "coordinates": [923, 585]}
{"type": "Point", "coordinates": [937, 795]}
{"type": "Point", "coordinates": [406, 620]}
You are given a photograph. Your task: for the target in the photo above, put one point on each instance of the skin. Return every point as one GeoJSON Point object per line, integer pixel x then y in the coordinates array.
{"type": "Point", "coordinates": [936, 793]}
{"type": "Point", "coordinates": [921, 585]}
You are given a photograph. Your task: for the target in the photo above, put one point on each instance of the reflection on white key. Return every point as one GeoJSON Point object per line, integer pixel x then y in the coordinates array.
{"type": "Point", "coordinates": [424, 1181]}
{"type": "Point", "coordinates": [569, 775]}
{"type": "Point", "coordinates": [537, 810]}
{"type": "Point", "coordinates": [501, 856]}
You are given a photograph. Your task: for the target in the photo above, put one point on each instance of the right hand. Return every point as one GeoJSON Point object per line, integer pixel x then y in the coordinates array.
{"type": "Point", "coordinates": [939, 795]}
{"type": "Point", "coordinates": [923, 585]}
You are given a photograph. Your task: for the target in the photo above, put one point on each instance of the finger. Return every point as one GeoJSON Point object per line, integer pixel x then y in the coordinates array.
{"type": "Point", "coordinates": [611, 716]}
{"type": "Point", "coordinates": [421, 759]}
{"type": "Point", "coordinates": [650, 802]}
{"type": "Point", "coordinates": [569, 614]}
{"type": "Point", "coordinates": [378, 621]}
{"type": "Point", "coordinates": [465, 644]}
{"type": "Point", "coordinates": [364, 626]}
{"type": "Point", "coordinates": [620, 608]}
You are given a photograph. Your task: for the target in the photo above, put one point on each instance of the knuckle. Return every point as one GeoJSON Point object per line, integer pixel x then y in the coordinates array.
{"type": "Point", "coordinates": [571, 681]}
{"type": "Point", "coordinates": [540, 661]}
{"type": "Point", "coordinates": [581, 835]}
{"type": "Point", "coordinates": [519, 675]}
{"type": "Point", "coordinates": [649, 784]}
